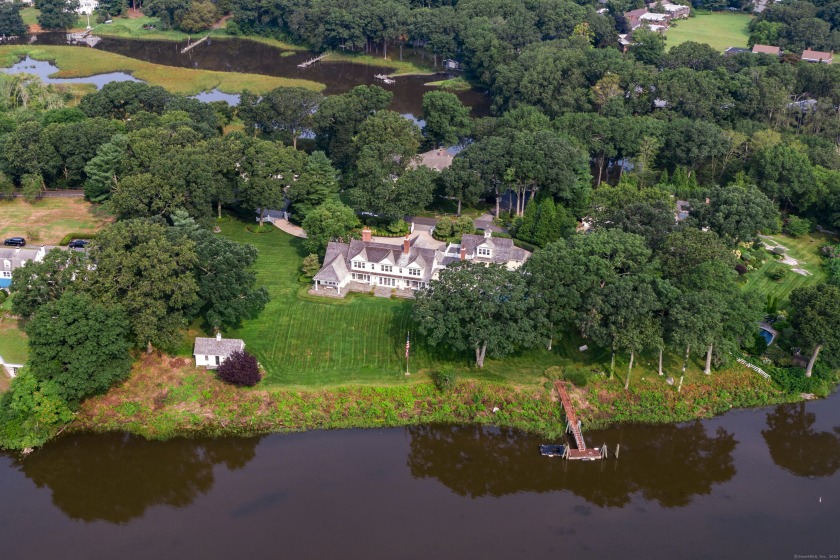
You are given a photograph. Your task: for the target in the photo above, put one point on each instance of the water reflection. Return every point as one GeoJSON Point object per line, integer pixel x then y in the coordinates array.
{"type": "Point", "coordinates": [795, 446]}
{"type": "Point", "coordinates": [118, 477]}
{"type": "Point", "coordinates": [666, 464]}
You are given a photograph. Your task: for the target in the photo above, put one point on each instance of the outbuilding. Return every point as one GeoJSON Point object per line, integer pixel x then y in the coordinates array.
{"type": "Point", "coordinates": [212, 352]}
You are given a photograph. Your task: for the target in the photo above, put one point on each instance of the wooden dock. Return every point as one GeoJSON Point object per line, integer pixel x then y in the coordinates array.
{"type": "Point", "coordinates": [191, 45]}
{"type": "Point", "coordinates": [312, 61]}
{"type": "Point", "coordinates": [581, 453]}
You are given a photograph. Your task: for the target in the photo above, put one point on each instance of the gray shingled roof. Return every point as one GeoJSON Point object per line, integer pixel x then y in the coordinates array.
{"type": "Point", "coordinates": [503, 249]}
{"type": "Point", "coordinates": [335, 265]}
{"type": "Point", "coordinates": [213, 347]}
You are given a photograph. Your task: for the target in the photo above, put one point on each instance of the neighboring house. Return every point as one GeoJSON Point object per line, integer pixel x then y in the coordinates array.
{"type": "Point", "coordinates": [676, 11]}
{"type": "Point", "coordinates": [633, 17]}
{"type": "Point", "coordinates": [366, 263]}
{"type": "Point", "coordinates": [732, 51]}
{"type": "Point", "coordinates": [212, 352]}
{"type": "Point", "coordinates": [766, 49]}
{"type": "Point", "coordinates": [817, 56]}
{"type": "Point", "coordinates": [450, 64]}
{"type": "Point", "coordinates": [87, 7]}
{"type": "Point", "coordinates": [12, 258]}
{"type": "Point", "coordinates": [438, 159]}
{"type": "Point", "coordinates": [11, 368]}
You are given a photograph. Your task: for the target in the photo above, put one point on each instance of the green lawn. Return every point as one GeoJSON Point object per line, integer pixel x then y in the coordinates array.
{"type": "Point", "coordinates": [720, 30]}
{"type": "Point", "coordinates": [308, 341]}
{"type": "Point", "coordinates": [13, 345]}
{"type": "Point", "coordinates": [46, 221]}
{"type": "Point", "coordinates": [804, 249]}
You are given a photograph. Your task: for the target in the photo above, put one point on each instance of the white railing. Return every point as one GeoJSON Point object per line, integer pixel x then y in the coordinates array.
{"type": "Point", "coordinates": [756, 369]}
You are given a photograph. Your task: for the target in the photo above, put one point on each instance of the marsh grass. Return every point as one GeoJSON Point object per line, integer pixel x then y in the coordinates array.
{"type": "Point", "coordinates": [77, 62]}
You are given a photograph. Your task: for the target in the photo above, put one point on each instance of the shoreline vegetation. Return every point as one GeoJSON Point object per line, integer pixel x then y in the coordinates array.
{"type": "Point", "coordinates": [168, 397]}
{"type": "Point", "coordinates": [80, 62]}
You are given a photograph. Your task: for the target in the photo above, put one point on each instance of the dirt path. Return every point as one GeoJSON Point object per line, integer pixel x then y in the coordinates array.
{"type": "Point", "coordinates": [222, 22]}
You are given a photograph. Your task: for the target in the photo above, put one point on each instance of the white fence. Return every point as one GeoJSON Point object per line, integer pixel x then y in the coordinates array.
{"type": "Point", "coordinates": [756, 369]}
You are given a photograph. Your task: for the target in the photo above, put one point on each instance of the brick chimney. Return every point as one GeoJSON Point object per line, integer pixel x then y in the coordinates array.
{"type": "Point", "coordinates": [366, 234]}
{"type": "Point", "coordinates": [463, 253]}
{"type": "Point", "coordinates": [406, 245]}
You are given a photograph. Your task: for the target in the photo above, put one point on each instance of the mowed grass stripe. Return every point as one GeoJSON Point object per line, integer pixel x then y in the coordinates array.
{"type": "Point", "coordinates": [305, 342]}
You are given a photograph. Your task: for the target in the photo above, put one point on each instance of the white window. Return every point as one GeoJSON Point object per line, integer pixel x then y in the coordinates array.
{"type": "Point", "coordinates": [359, 264]}
{"type": "Point", "coordinates": [383, 281]}
{"type": "Point", "coordinates": [483, 251]}
{"type": "Point", "coordinates": [7, 274]}
{"type": "Point", "coordinates": [414, 272]}
{"type": "Point", "coordinates": [387, 268]}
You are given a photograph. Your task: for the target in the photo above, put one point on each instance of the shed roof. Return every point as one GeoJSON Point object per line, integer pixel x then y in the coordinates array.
{"type": "Point", "coordinates": [217, 347]}
{"type": "Point", "coordinates": [766, 49]}
{"type": "Point", "coordinates": [816, 56]}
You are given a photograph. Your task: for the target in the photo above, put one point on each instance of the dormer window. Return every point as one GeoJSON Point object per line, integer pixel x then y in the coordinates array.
{"type": "Point", "coordinates": [414, 272]}
{"type": "Point", "coordinates": [359, 264]}
{"type": "Point", "coordinates": [387, 268]}
{"type": "Point", "coordinates": [484, 251]}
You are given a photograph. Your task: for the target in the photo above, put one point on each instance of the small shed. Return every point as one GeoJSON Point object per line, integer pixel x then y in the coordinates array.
{"type": "Point", "coordinates": [212, 352]}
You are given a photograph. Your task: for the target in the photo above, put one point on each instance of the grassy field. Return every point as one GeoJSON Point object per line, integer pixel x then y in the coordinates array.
{"type": "Point", "coordinates": [77, 62]}
{"type": "Point", "coordinates": [307, 341]}
{"type": "Point", "coordinates": [13, 346]}
{"type": "Point", "coordinates": [399, 67]}
{"type": "Point", "coordinates": [45, 222]}
{"type": "Point", "coordinates": [720, 30]}
{"type": "Point", "coordinates": [804, 249]}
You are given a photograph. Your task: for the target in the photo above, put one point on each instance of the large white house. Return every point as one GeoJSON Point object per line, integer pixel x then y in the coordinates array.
{"type": "Point", "coordinates": [366, 263]}
{"type": "Point", "coordinates": [212, 352]}
{"type": "Point", "coordinates": [87, 7]}
{"type": "Point", "coordinates": [15, 257]}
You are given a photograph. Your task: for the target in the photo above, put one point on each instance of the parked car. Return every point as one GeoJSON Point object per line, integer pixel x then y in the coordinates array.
{"type": "Point", "coordinates": [15, 241]}
{"type": "Point", "coordinates": [78, 243]}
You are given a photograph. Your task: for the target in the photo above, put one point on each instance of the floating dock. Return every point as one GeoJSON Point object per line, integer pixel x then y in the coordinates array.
{"type": "Point", "coordinates": [582, 453]}
{"type": "Point", "coordinates": [191, 45]}
{"type": "Point", "coordinates": [312, 61]}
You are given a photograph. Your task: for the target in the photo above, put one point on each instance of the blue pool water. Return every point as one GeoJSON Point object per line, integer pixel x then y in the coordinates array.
{"type": "Point", "coordinates": [766, 335]}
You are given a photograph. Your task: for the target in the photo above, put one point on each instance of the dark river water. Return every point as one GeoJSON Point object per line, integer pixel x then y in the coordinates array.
{"type": "Point", "coordinates": [751, 484]}
{"type": "Point", "coordinates": [239, 55]}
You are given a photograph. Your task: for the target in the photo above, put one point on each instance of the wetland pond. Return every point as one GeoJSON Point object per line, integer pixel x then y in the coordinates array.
{"type": "Point", "coordinates": [241, 55]}
{"type": "Point", "coordinates": [759, 483]}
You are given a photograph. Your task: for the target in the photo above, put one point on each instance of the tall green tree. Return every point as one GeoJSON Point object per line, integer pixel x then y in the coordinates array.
{"type": "Point", "coordinates": [736, 212]}
{"type": "Point", "coordinates": [317, 184]}
{"type": "Point", "coordinates": [149, 274]}
{"type": "Point", "coordinates": [447, 119]}
{"type": "Point", "coordinates": [331, 221]}
{"type": "Point", "coordinates": [267, 169]}
{"type": "Point", "coordinates": [227, 285]}
{"type": "Point", "coordinates": [79, 344]}
{"type": "Point", "coordinates": [39, 282]}
{"type": "Point", "coordinates": [476, 307]}
{"type": "Point", "coordinates": [648, 46]}
{"type": "Point", "coordinates": [815, 316]}
{"type": "Point", "coordinates": [339, 117]}
{"type": "Point", "coordinates": [713, 313]}
{"type": "Point", "coordinates": [57, 15]}
{"type": "Point", "coordinates": [11, 22]}
{"type": "Point", "coordinates": [287, 110]}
